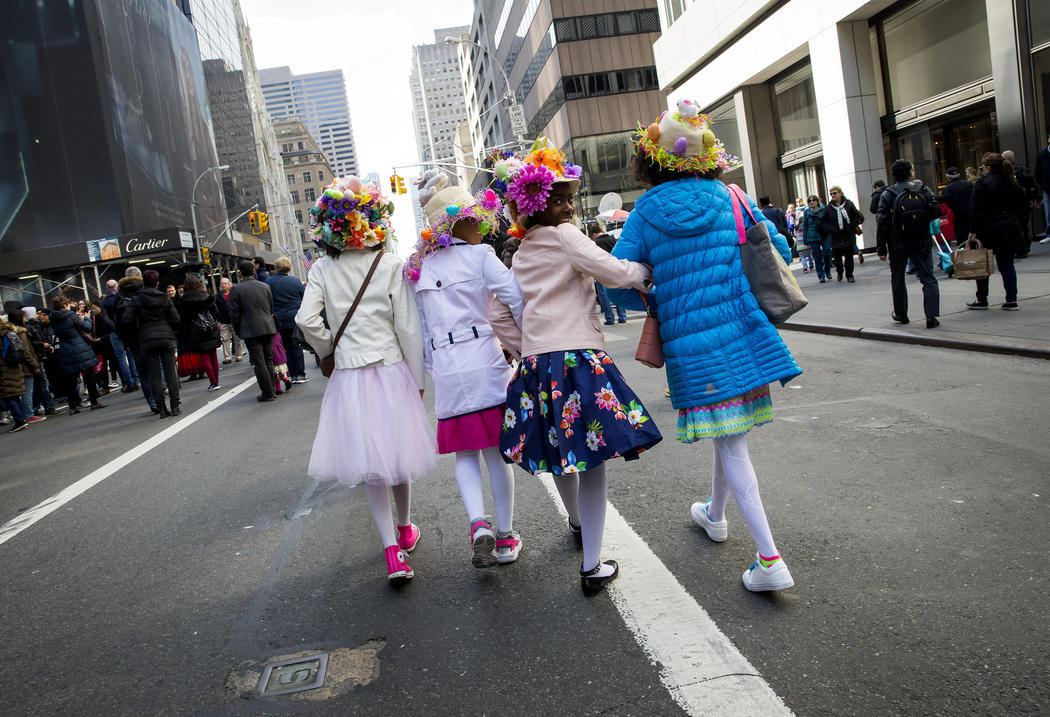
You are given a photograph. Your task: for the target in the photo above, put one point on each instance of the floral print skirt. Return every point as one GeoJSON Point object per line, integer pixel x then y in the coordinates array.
{"type": "Point", "coordinates": [568, 411]}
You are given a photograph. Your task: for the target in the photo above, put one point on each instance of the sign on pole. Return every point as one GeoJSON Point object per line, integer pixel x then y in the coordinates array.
{"type": "Point", "coordinates": [518, 125]}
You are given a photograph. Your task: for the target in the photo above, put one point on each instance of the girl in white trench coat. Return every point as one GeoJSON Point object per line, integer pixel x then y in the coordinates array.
{"type": "Point", "coordinates": [455, 277]}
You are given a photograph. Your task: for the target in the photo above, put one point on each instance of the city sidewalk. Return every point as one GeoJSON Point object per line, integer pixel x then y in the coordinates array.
{"type": "Point", "coordinates": [863, 309]}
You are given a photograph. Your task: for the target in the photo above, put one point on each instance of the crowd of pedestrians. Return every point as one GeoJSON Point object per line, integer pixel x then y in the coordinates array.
{"type": "Point", "coordinates": [141, 337]}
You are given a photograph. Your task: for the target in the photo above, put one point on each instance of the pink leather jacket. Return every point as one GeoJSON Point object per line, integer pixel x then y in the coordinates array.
{"type": "Point", "coordinates": [556, 268]}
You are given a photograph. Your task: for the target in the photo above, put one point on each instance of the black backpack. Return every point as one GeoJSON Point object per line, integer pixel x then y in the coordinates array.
{"type": "Point", "coordinates": [911, 218]}
{"type": "Point", "coordinates": [14, 351]}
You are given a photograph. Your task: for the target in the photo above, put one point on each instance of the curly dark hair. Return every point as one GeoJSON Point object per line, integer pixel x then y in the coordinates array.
{"type": "Point", "coordinates": [649, 174]}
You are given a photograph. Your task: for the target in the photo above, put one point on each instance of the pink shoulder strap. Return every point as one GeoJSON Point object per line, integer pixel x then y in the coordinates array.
{"type": "Point", "coordinates": [738, 198]}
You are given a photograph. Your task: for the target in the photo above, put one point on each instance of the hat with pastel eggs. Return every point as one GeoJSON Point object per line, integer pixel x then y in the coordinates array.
{"type": "Point", "coordinates": [444, 208]}
{"type": "Point", "coordinates": [682, 141]}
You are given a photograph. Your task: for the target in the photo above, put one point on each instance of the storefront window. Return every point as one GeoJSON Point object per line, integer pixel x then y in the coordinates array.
{"type": "Point", "coordinates": [1039, 22]}
{"type": "Point", "coordinates": [796, 109]}
{"type": "Point", "coordinates": [934, 46]}
{"type": "Point", "coordinates": [606, 163]}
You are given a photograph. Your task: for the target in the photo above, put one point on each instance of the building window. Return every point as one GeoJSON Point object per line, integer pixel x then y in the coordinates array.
{"type": "Point", "coordinates": [300, 145]}
{"type": "Point", "coordinates": [309, 194]}
{"type": "Point", "coordinates": [291, 179]}
{"type": "Point", "coordinates": [320, 177]}
{"type": "Point", "coordinates": [614, 82]}
{"type": "Point", "coordinates": [590, 27]}
{"type": "Point", "coordinates": [917, 37]}
{"type": "Point", "coordinates": [1039, 22]}
{"type": "Point", "coordinates": [723, 124]}
{"type": "Point", "coordinates": [295, 196]}
{"type": "Point", "coordinates": [796, 109]}
{"type": "Point", "coordinates": [299, 216]}
{"type": "Point", "coordinates": [306, 178]}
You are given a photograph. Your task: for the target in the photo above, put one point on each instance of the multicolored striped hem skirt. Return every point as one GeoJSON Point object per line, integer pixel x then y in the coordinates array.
{"type": "Point", "coordinates": [727, 418]}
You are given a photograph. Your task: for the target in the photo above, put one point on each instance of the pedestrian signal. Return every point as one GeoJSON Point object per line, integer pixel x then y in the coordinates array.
{"type": "Point", "coordinates": [401, 189]}
{"type": "Point", "coordinates": [206, 255]}
{"type": "Point", "coordinates": [264, 222]}
{"type": "Point", "coordinates": [253, 222]}
{"type": "Point", "coordinates": [393, 183]}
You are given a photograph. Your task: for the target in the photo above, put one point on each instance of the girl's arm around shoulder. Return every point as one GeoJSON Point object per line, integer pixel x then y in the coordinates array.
{"type": "Point", "coordinates": [588, 258]}
{"type": "Point", "coordinates": [501, 282]}
{"type": "Point", "coordinates": [631, 247]}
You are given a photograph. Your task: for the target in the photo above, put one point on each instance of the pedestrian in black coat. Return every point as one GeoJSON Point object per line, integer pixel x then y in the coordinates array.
{"type": "Point", "coordinates": [200, 326]}
{"type": "Point", "coordinates": [76, 356]}
{"type": "Point", "coordinates": [994, 210]}
{"type": "Point", "coordinates": [839, 220]}
{"type": "Point", "coordinates": [251, 314]}
{"type": "Point", "coordinates": [154, 313]}
{"type": "Point", "coordinates": [956, 194]}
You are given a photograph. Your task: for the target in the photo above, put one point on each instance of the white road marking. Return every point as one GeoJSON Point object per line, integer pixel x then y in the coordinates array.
{"type": "Point", "coordinates": [699, 665]}
{"type": "Point", "coordinates": [16, 525]}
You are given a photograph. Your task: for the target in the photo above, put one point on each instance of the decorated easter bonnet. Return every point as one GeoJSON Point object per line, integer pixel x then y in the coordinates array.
{"type": "Point", "coordinates": [682, 141]}
{"type": "Point", "coordinates": [444, 207]}
{"type": "Point", "coordinates": [350, 214]}
{"type": "Point", "coordinates": [528, 181]}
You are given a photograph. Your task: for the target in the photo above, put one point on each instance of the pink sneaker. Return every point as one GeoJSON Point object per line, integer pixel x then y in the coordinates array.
{"type": "Point", "coordinates": [397, 570]}
{"type": "Point", "coordinates": [508, 547]}
{"type": "Point", "coordinates": [408, 537]}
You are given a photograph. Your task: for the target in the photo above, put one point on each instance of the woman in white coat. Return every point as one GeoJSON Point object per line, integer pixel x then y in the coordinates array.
{"type": "Point", "coordinates": [455, 277]}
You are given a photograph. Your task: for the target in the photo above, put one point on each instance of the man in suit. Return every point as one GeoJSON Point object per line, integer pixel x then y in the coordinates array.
{"type": "Point", "coordinates": [1042, 178]}
{"type": "Point", "coordinates": [251, 314]}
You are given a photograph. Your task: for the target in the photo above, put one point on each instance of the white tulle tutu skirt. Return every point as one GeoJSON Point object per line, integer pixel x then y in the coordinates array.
{"type": "Point", "coordinates": [373, 428]}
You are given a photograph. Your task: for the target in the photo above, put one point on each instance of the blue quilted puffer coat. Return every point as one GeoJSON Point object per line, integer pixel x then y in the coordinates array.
{"type": "Point", "coordinates": [717, 342]}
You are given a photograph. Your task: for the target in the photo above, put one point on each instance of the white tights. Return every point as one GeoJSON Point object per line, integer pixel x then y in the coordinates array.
{"type": "Point", "coordinates": [584, 495]}
{"type": "Point", "coordinates": [379, 502]}
{"type": "Point", "coordinates": [501, 480]}
{"type": "Point", "coordinates": [732, 471]}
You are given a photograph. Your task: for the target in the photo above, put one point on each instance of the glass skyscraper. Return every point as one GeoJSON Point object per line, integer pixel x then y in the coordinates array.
{"type": "Point", "coordinates": [319, 100]}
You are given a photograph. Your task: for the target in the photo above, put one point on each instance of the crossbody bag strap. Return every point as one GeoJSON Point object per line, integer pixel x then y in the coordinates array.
{"type": "Point", "coordinates": [357, 299]}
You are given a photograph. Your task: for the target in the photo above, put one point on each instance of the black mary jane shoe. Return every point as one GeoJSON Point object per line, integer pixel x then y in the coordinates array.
{"type": "Point", "coordinates": [591, 582]}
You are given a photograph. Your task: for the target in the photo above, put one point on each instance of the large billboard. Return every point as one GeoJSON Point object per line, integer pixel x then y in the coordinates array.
{"type": "Point", "coordinates": [113, 123]}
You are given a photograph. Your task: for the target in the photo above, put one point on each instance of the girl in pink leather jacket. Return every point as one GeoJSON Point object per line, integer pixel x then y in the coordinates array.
{"type": "Point", "coordinates": [568, 407]}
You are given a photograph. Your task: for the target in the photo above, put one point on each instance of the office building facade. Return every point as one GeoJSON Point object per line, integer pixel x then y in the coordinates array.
{"type": "Point", "coordinates": [319, 100]}
{"type": "Point", "coordinates": [306, 172]}
{"type": "Point", "coordinates": [107, 129]}
{"type": "Point", "coordinates": [583, 73]}
{"type": "Point", "coordinates": [438, 103]}
{"type": "Point", "coordinates": [813, 94]}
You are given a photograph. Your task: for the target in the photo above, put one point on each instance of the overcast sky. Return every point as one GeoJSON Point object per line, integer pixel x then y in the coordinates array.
{"type": "Point", "coordinates": [372, 43]}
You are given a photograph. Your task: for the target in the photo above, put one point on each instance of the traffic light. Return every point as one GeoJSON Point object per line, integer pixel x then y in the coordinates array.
{"type": "Point", "coordinates": [401, 189]}
{"type": "Point", "coordinates": [253, 222]}
{"type": "Point", "coordinates": [393, 183]}
{"type": "Point", "coordinates": [206, 255]}
{"type": "Point", "coordinates": [264, 222]}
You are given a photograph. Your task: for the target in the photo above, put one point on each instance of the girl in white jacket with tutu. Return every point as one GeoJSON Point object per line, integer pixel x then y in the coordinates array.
{"type": "Point", "coordinates": [455, 277]}
{"type": "Point", "coordinates": [373, 428]}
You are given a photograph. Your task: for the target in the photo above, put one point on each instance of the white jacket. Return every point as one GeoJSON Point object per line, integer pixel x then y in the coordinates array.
{"type": "Point", "coordinates": [385, 328]}
{"type": "Point", "coordinates": [453, 293]}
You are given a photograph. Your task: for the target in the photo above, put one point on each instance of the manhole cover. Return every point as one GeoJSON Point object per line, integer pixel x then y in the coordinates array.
{"type": "Point", "coordinates": [295, 675]}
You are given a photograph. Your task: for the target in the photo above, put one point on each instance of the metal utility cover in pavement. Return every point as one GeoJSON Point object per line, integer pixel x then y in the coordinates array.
{"type": "Point", "coordinates": [295, 675]}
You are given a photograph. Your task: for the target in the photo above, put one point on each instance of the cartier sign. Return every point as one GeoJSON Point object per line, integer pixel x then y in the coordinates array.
{"type": "Point", "coordinates": [171, 239]}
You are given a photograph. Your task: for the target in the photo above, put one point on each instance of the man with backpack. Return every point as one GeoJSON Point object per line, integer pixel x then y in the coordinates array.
{"type": "Point", "coordinates": [16, 362]}
{"type": "Point", "coordinates": [905, 211]}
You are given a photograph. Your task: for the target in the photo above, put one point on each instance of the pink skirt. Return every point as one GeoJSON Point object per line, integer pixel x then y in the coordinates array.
{"type": "Point", "coordinates": [373, 428]}
{"type": "Point", "coordinates": [471, 431]}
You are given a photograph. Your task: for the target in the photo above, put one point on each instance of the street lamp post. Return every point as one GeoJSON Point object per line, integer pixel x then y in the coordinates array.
{"type": "Point", "coordinates": [517, 113]}
{"type": "Point", "coordinates": [193, 205]}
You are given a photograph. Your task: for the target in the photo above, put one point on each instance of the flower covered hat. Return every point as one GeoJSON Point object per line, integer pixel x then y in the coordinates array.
{"type": "Point", "coordinates": [351, 215]}
{"type": "Point", "coordinates": [682, 141]}
{"type": "Point", "coordinates": [444, 208]}
{"type": "Point", "coordinates": [527, 182]}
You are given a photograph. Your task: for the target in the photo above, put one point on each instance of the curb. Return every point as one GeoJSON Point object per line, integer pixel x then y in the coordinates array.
{"type": "Point", "coordinates": [904, 337]}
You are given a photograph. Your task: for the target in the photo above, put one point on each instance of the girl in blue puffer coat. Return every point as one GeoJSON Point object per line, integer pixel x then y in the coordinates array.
{"type": "Point", "coordinates": [721, 351]}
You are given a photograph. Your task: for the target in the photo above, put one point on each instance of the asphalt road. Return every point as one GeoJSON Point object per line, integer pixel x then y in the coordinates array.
{"type": "Point", "coordinates": [906, 488]}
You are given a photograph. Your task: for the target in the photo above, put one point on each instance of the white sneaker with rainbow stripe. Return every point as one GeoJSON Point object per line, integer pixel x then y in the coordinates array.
{"type": "Point", "coordinates": [761, 578]}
